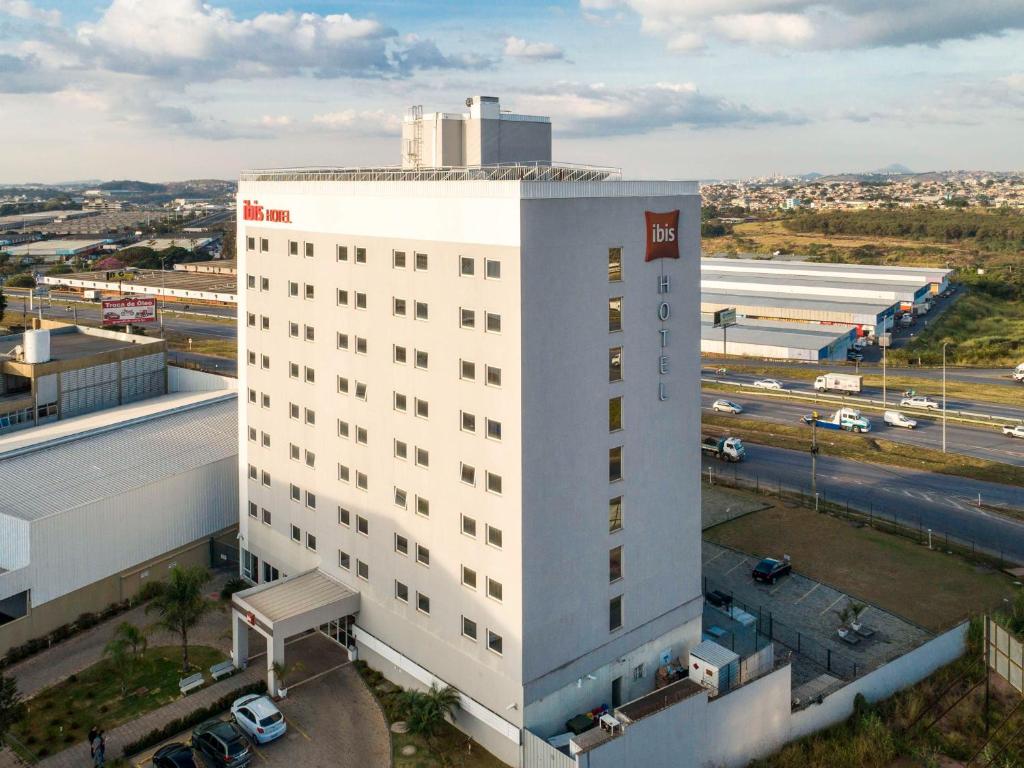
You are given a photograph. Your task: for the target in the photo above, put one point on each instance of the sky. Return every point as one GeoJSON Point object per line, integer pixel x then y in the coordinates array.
{"type": "Point", "coordinates": [164, 90]}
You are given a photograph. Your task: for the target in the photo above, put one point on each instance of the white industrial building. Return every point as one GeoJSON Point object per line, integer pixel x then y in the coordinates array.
{"type": "Point", "coordinates": [870, 318]}
{"type": "Point", "coordinates": [468, 430]}
{"type": "Point", "coordinates": [777, 340]}
{"type": "Point", "coordinates": [935, 278]}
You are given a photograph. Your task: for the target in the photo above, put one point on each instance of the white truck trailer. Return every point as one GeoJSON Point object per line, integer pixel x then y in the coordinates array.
{"type": "Point", "coordinates": [839, 382]}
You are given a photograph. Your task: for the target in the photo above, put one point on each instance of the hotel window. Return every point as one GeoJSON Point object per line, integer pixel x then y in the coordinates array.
{"type": "Point", "coordinates": [252, 395]}
{"type": "Point", "coordinates": [422, 603]}
{"type": "Point", "coordinates": [294, 451]}
{"type": "Point", "coordinates": [362, 436]}
{"type": "Point", "coordinates": [362, 570]}
{"type": "Point", "coordinates": [401, 450]}
{"type": "Point", "coordinates": [422, 311]}
{"type": "Point", "coordinates": [494, 590]}
{"type": "Point", "coordinates": [252, 434]}
{"type": "Point", "coordinates": [310, 374]}
{"type": "Point", "coordinates": [310, 500]}
{"type": "Point", "coordinates": [615, 314]}
{"type": "Point", "coordinates": [310, 415]}
{"type": "Point", "coordinates": [422, 457]}
{"type": "Point", "coordinates": [615, 414]}
{"type": "Point", "coordinates": [468, 628]}
{"type": "Point", "coordinates": [615, 564]}
{"type": "Point", "coordinates": [421, 262]}
{"type": "Point", "coordinates": [493, 376]}
{"type": "Point", "coordinates": [264, 283]}
{"type": "Point", "coordinates": [399, 401]}
{"type": "Point", "coordinates": [401, 545]}
{"type": "Point", "coordinates": [342, 298]}
{"type": "Point", "coordinates": [342, 385]}
{"type": "Point", "coordinates": [422, 359]}
{"type": "Point", "coordinates": [494, 643]}
{"type": "Point", "coordinates": [468, 577]}
{"type": "Point", "coordinates": [310, 332]}
{"type": "Point", "coordinates": [265, 478]}
{"type": "Point", "coordinates": [343, 473]}
{"type": "Point", "coordinates": [400, 498]}
{"type": "Point", "coordinates": [467, 474]}
{"type": "Point", "coordinates": [467, 370]}
{"type": "Point", "coordinates": [310, 459]}
{"type": "Point", "coordinates": [615, 613]}
{"type": "Point", "coordinates": [361, 390]}
{"type": "Point", "coordinates": [360, 300]}
{"type": "Point", "coordinates": [614, 464]}
{"type": "Point", "coordinates": [309, 250]}
{"type": "Point", "coordinates": [293, 370]}
{"type": "Point", "coordinates": [493, 429]}
{"type": "Point", "coordinates": [493, 322]}
{"type": "Point", "coordinates": [250, 319]}
{"type": "Point", "coordinates": [310, 291]}
{"type": "Point", "coordinates": [266, 517]}
{"type": "Point", "coordinates": [265, 400]}
{"type": "Point", "coordinates": [342, 340]}
{"type": "Point", "coordinates": [250, 281]}
{"type": "Point", "coordinates": [293, 248]}
{"type": "Point", "coordinates": [398, 307]}
{"type": "Point", "coordinates": [360, 345]}
{"type": "Point", "coordinates": [296, 533]}
{"type": "Point", "coordinates": [398, 354]}
{"type": "Point", "coordinates": [494, 537]}
{"type": "Point", "coordinates": [311, 542]}
{"type": "Point", "coordinates": [493, 482]}
{"type": "Point", "coordinates": [422, 506]}
{"type": "Point", "coordinates": [250, 243]}
{"type": "Point", "coordinates": [469, 526]}
{"type": "Point", "coordinates": [615, 364]}
{"type": "Point", "coordinates": [467, 266]}
{"type": "Point", "coordinates": [342, 428]}
{"type": "Point", "coordinates": [293, 411]}
{"type": "Point", "coordinates": [264, 244]}
{"type": "Point", "coordinates": [422, 555]}
{"type": "Point", "coordinates": [293, 330]}
{"type": "Point", "coordinates": [344, 560]}
{"type": "Point", "coordinates": [401, 592]}
{"type": "Point", "coordinates": [344, 517]}
{"type": "Point", "coordinates": [362, 525]}
{"type": "Point", "coordinates": [362, 482]}
{"type": "Point", "coordinates": [360, 255]}
{"type": "Point", "coordinates": [253, 472]}
{"type": "Point", "coordinates": [638, 672]}
{"type": "Point", "coordinates": [615, 514]}
{"type": "Point", "coordinates": [492, 269]}
{"type": "Point", "coordinates": [253, 509]}
{"type": "Point", "coordinates": [295, 492]}
{"type": "Point", "coordinates": [468, 422]}
{"type": "Point", "coordinates": [398, 259]}
{"type": "Point", "coordinates": [341, 252]}
{"type": "Point", "coordinates": [264, 323]}
{"type": "Point", "coordinates": [293, 288]}
{"type": "Point", "coordinates": [422, 408]}
{"type": "Point", "coordinates": [614, 265]}
{"type": "Point", "coordinates": [264, 439]}
{"type": "Point", "coordinates": [467, 318]}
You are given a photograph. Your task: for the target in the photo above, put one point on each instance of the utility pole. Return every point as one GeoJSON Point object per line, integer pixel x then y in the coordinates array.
{"type": "Point", "coordinates": [814, 458]}
{"type": "Point", "coordinates": [944, 395]}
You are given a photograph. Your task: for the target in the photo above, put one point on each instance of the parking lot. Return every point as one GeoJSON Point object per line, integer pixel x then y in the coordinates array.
{"type": "Point", "coordinates": [801, 616]}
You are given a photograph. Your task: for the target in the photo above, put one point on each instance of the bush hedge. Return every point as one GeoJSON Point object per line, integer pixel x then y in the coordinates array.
{"type": "Point", "coordinates": [232, 586]}
{"type": "Point", "coordinates": [192, 719]}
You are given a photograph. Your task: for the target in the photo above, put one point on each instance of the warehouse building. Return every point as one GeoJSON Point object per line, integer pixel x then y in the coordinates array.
{"type": "Point", "coordinates": [935, 278]}
{"type": "Point", "coordinates": [777, 340]}
{"type": "Point", "coordinates": [183, 286]}
{"type": "Point", "coordinates": [816, 286]}
{"type": "Point", "coordinates": [52, 251]}
{"type": "Point", "coordinates": [94, 505]}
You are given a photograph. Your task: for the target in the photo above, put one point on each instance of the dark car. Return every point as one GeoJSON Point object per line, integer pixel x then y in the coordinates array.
{"type": "Point", "coordinates": [175, 755]}
{"type": "Point", "coordinates": [221, 743]}
{"type": "Point", "coordinates": [770, 569]}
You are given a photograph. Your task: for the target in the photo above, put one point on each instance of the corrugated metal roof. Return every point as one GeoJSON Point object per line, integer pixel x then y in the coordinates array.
{"type": "Point", "coordinates": [52, 479]}
{"type": "Point", "coordinates": [794, 335]}
{"type": "Point", "coordinates": [287, 598]}
{"type": "Point", "coordinates": [714, 654]}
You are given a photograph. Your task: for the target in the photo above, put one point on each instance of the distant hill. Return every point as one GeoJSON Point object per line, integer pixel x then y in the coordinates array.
{"type": "Point", "coordinates": [896, 169]}
{"type": "Point", "coordinates": [126, 185]}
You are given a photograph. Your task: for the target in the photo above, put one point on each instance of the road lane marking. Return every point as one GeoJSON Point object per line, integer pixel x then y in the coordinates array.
{"type": "Point", "coordinates": [741, 562]}
{"type": "Point", "coordinates": [833, 605]}
{"type": "Point", "coordinates": [708, 562]}
{"type": "Point", "coordinates": [807, 593]}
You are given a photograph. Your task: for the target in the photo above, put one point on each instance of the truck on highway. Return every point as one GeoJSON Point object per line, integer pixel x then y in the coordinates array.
{"type": "Point", "coordinates": [849, 419]}
{"type": "Point", "coordinates": [91, 294]}
{"type": "Point", "coordinates": [839, 382]}
{"type": "Point", "coordinates": [724, 448]}
{"type": "Point", "coordinates": [1018, 373]}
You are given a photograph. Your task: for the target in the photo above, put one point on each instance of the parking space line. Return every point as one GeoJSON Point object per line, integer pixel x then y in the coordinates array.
{"type": "Point", "coordinates": [720, 553]}
{"type": "Point", "coordinates": [807, 593]}
{"type": "Point", "coordinates": [832, 605]}
{"type": "Point", "coordinates": [741, 562]}
{"type": "Point", "coordinates": [295, 725]}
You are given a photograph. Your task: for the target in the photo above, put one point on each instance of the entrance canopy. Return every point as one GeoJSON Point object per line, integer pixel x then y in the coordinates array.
{"type": "Point", "coordinates": [289, 606]}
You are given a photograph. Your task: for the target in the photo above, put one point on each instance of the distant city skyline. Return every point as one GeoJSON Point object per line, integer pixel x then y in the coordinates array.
{"type": "Point", "coordinates": [163, 90]}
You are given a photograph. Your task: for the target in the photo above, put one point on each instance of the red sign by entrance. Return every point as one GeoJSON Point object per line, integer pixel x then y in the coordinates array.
{"type": "Point", "coordinates": [251, 618]}
{"type": "Point", "coordinates": [662, 235]}
{"type": "Point", "coordinates": [253, 211]}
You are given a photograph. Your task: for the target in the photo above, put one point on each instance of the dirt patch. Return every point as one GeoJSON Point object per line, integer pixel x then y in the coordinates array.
{"type": "Point", "coordinates": [719, 505]}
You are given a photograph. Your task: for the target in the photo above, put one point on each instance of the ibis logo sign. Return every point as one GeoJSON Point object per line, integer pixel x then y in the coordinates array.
{"type": "Point", "coordinates": [662, 235]}
{"type": "Point", "coordinates": [253, 211]}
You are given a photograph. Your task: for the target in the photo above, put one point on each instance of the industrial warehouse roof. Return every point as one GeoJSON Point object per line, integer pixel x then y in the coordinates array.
{"type": "Point", "coordinates": [72, 342]}
{"type": "Point", "coordinates": [107, 460]}
{"type": "Point", "coordinates": [53, 247]}
{"type": "Point", "coordinates": [851, 287]}
{"type": "Point", "coordinates": [777, 333]}
{"type": "Point", "coordinates": [856, 271]}
{"type": "Point", "coordinates": [795, 301]}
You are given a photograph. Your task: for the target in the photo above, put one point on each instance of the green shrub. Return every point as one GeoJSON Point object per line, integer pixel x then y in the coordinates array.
{"type": "Point", "coordinates": [149, 590]}
{"type": "Point", "coordinates": [232, 586]}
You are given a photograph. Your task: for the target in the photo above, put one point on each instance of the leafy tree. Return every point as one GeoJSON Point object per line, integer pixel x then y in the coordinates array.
{"type": "Point", "coordinates": [12, 708]}
{"type": "Point", "coordinates": [22, 280]}
{"type": "Point", "coordinates": [182, 605]}
{"type": "Point", "coordinates": [60, 269]}
{"type": "Point", "coordinates": [227, 246]}
{"type": "Point", "coordinates": [3, 306]}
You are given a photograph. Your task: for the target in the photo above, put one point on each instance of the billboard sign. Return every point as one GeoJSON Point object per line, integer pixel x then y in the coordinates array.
{"type": "Point", "coordinates": [725, 317]}
{"type": "Point", "coordinates": [662, 235]}
{"type": "Point", "coordinates": [129, 311]}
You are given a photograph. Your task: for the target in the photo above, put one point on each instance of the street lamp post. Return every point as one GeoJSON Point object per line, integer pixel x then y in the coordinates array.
{"type": "Point", "coordinates": [944, 395]}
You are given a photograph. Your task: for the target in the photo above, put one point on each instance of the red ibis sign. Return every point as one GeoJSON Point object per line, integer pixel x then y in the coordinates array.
{"type": "Point", "coordinates": [662, 235]}
{"type": "Point", "coordinates": [253, 211]}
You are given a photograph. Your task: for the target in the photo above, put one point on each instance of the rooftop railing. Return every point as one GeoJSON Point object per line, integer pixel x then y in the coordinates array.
{"type": "Point", "coordinates": [555, 172]}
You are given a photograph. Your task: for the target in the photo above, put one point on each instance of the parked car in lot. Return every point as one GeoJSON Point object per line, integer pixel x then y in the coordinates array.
{"type": "Point", "coordinates": [897, 419]}
{"type": "Point", "coordinates": [221, 743]}
{"type": "Point", "coordinates": [1017, 431]}
{"type": "Point", "coordinates": [768, 384]}
{"type": "Point", "coordinates": [175, 755]}
{"type": "Point", "coordinates": [919, 401]}
{"type": "Point", "coordinates": [769, 570]}
{"type": "Point", "coordinates": [257, 715]}
{"type": "Point", "coordinates": [726, 406]}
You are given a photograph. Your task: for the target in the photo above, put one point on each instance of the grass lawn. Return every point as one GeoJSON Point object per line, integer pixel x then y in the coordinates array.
{"type": "Point", "coordinates": [61, 715]}
{"type": "Point", "coordinates": [928, 587]}
{"type": "Point", "coordinates": [863, 448]}
{"type": "Point", "coordinates": [214, 346]}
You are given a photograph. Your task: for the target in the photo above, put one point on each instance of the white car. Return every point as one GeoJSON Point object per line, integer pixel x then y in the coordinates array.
{"type": "Point", "coordinates": [1017, 431]}
{"type": "Point", "coordinates": [897, 419]}
{"type": "Point", "coordinates": [768, 384]}
{"type": "Point", "coordinates": [726, 406]}
{"type": "Point", "coordinates": [919, 401]}
{"type": "Point", "coordinates": [259, 717]}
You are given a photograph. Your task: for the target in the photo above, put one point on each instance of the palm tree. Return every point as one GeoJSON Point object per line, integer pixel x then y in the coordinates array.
{"type": "Point", "coordinates": [182, 604]}
{"type": "Point", "coordinates": [12, 708]}
{"type": "Point", "coordinates": [124, 650]}
{"type": "Point", "coordinates": [427, 711]}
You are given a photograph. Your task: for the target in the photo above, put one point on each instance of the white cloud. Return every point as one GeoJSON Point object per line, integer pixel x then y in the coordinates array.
{"type": "Point", "coordinates": [518, 48]}
{"type": "Point", "coordinates": [23, 9]}
{"type": "Point", "coordinates": [815, 24]}
{"type": "Point", "coordinates": [275, 121]}
{"type": "Point", "coordinates": [360, 122]}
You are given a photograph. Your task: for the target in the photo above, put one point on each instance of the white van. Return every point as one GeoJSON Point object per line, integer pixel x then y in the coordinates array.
{"type": "Point", "coordinates": [897, 419]}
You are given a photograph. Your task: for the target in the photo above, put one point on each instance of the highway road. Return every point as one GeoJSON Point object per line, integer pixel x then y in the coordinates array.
{"type": "Point", "coordinates": [1001, 376]}
{"type": "Point", "coordinates": [945, 503]}
{"type": "Point", "coordinates": [980, 442]}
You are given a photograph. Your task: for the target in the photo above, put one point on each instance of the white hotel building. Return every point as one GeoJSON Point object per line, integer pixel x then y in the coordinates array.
{"type": "Point", "coordinates": [469, 429]}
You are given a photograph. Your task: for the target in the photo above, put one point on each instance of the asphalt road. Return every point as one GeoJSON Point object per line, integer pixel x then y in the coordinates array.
{"type": "Point", "coordinates": [945, 503]}
{"type": "Point", "coordinates": [979, 442]}
{"type": "Point", "coordinates": [1001, 376]}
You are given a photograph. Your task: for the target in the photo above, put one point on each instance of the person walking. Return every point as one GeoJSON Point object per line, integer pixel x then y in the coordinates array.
{"type": "Point", "coordinates": [92, 737]}
{"type": "Point", "coordinates": [99, 750]}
